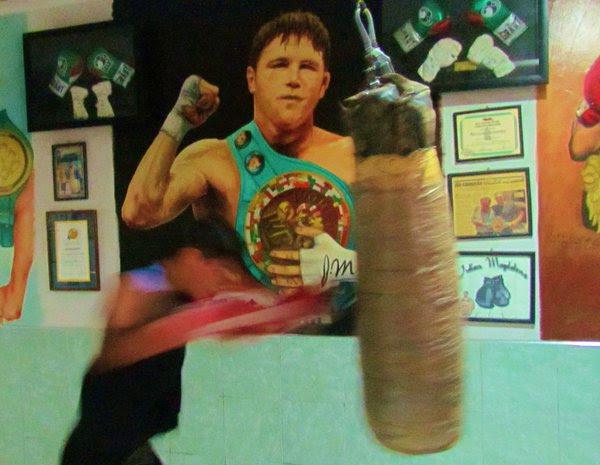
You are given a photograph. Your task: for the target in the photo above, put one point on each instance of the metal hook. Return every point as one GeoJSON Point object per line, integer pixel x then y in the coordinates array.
{"type": "Point", "coordinates": [379, 63]}
{"type": "Point", "coordinates": [367, 34]}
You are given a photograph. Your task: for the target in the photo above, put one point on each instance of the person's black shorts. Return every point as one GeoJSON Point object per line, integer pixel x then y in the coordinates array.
{"type": "Point", "coordinates": [123, 408]}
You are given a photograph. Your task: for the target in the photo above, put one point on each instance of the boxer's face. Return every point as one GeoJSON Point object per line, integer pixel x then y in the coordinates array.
{"type": "Point", "coordinates": [288, 82]}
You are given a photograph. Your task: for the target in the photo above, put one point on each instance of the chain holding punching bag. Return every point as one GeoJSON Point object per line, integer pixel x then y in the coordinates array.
{"type": "Point", "coordinates": [409, 323]}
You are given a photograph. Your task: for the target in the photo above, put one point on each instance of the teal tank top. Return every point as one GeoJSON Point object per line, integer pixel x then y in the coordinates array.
{"type": "Point", "coordinates": [278, 193]}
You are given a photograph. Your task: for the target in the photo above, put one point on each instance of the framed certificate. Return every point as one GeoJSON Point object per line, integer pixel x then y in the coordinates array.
{"type": "Point", "coordinates": [73, 250]}
{"type": "Point", "coordinates": [487, 134]}
{"type": "Point", "coordinates": [490, 204]}
{"type": "Point", "coordinates": [497, 286]}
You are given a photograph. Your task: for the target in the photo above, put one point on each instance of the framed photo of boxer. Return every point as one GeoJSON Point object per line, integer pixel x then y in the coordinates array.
{"type": "Point", "coordinates": [487, 134]}
{"type": "Point", "coordinates": [73, 250]}
{"type": "Point", "coordinates": [463, 45]}
{"type": "Point", "coordinates": [490, 204]}
{"type": "Point", "coordinates": [69, 171]}
{"type": "Point", "coordinates": [497, 286]}
{"type": "Point", "coordinates": [80, 76]}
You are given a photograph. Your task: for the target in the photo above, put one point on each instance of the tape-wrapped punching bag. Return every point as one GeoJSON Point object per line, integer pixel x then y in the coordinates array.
{"type": "Point", "coordinates": [409, 324]}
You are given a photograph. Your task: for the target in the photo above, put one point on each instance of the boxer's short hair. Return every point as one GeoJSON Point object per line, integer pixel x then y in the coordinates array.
{"type": "Point", "coordinates": [297, 24]}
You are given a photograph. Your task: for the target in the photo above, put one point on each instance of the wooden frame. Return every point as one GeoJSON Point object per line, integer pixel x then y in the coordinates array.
{"type": "Point", "coordinates": [73, 250]}
{"type": "Point", "coordinates": [498, 286]}
{"type": "Point", "coordinates": [69, 171]}
{"type": "Point", "coordinates": [491, 204]}
{"type": "Point", "coordinates": [488, 134]}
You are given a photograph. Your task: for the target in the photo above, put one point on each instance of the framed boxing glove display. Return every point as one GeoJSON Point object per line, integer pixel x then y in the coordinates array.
{"type": "Point", "coordinates": [468, 44]}
{"type": "Point", "coordinates": [80, 76]}
{"type": "Point", "coordinates": [497, 286]}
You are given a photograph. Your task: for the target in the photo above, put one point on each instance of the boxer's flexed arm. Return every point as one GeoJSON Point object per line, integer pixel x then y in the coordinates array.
{"type": "Point", "coordinates": [13, 293]}
{"type": "Point", "coordinates": [165, 183]}
{"type": "Point", "coordinates": [585, 131]}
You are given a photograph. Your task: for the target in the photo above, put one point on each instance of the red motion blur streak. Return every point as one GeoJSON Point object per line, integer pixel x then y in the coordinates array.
{"type": "Point", "coordinates": [208, 318]}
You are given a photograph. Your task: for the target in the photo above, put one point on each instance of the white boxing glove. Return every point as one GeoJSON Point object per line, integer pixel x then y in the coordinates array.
{"type": "Point", "coordinates": [483, 52]}
{"type": "Point", "coordinates": [442, 54]}
{"type": "Point", "coordinates": [103, 90]}
{"type": "Point", "coordinates": [196, 102]}
{"type": "Point", "coordinates": [78, 95]}
{"type": "Point", "coordinates": [327, 263]}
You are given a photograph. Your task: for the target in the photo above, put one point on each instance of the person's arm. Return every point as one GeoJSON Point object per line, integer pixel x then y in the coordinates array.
{"type": "Point", "coordinates": [12, 295]}
{"type": "Point", "coordinates": [520, 218]}
{"type": "Point", "coordinates": [163, 184]}
{"type": "Point", "coordinates": [585, 131]}
{"type": "Point", "coordinates": [476, 218]}
{"type": "Point", "coordinates": [584, 141]}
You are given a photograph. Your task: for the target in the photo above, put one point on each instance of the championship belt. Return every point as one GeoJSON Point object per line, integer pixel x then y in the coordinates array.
{"type": "Point", "coordinates": [16, 164]}
{"type": "Point", "coordinates": [286, 202]}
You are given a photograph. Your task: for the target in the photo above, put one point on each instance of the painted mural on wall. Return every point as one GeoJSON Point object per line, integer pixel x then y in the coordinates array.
{"type": "Point", "coordinates": [291, 212]}
{"type": "Point", "coordinates": [584, 147]}
{"type": "Point", "coordinates": [16, 215]}
{"type": "Point", "coordinates": [568, 143]}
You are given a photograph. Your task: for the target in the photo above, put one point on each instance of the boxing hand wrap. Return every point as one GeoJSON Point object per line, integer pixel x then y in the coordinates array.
{"type": "Point", "coordinates": [105, 65]}
{"type": "Point", "coordinates": [483, 52]}
{"type": "Point", "coordinates": [442, 54]}
{"type": "Point", "coordinates": [78, 95]}
{"type": "Point", "coordinates": [588, 113]}
{"type": "Point", "coordinates": [177, 123]}
{"type": "Point", "coordinates": [327, 263]}
{"type": "Point", "coordinates": [587, 116]}
{"type": "Point", "coordinates": [69, 67]}
{"type": "Point", "coordinates": [103, 107]}
{"type": "Point", "coordinates": [496, 17]}
{"type": "Point", "coordinates": [431, 20]}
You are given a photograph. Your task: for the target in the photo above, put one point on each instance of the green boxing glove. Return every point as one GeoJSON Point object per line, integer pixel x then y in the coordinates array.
{"type": "Point", "coordinates": [431, 20]}
{"type": "Point", "coordinates": [69, 67]}
{"type": "Point", "coordinates": [494, 15]}
{"type": "Point", "coordinates": [105, 65]}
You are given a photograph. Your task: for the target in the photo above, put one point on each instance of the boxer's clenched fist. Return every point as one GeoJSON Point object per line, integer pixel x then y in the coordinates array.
{"type": "Point", "coordinates": [198, 99]}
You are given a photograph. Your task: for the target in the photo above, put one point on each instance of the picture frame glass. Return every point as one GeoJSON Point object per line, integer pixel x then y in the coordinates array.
{"type": "Point", "coordinates": [73, 250]}
{"type": "Point", "coordinates": [490, 204]}
{"type": "Point", "coordinates": [488, 133]}
{"type": "Point", "coordinates": [497, 287]}
{"type": "Point", "coordinates": [69, 169]}
{"type": "Point", "coordinates": [464, 45]}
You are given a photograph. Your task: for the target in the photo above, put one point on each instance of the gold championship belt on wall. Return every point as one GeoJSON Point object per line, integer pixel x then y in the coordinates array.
{"type": "Point", "coordinates": [16, 164]}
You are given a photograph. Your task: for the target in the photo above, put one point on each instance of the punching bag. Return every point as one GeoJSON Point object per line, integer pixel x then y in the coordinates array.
{"type": "Point", "coordinates": [409, 323]}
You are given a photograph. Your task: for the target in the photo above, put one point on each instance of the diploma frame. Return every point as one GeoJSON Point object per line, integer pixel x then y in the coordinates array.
{"type": "Point", "coordinates": [505, 220]}
{"type": "Point", "coordinates": [73, 266]}
{"type": "Point", "coordinates": [501, 127]}
{"type": "Point", "coordinates": [69, 171]}
{"type": "Point", "coordinates": [497, 287]}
